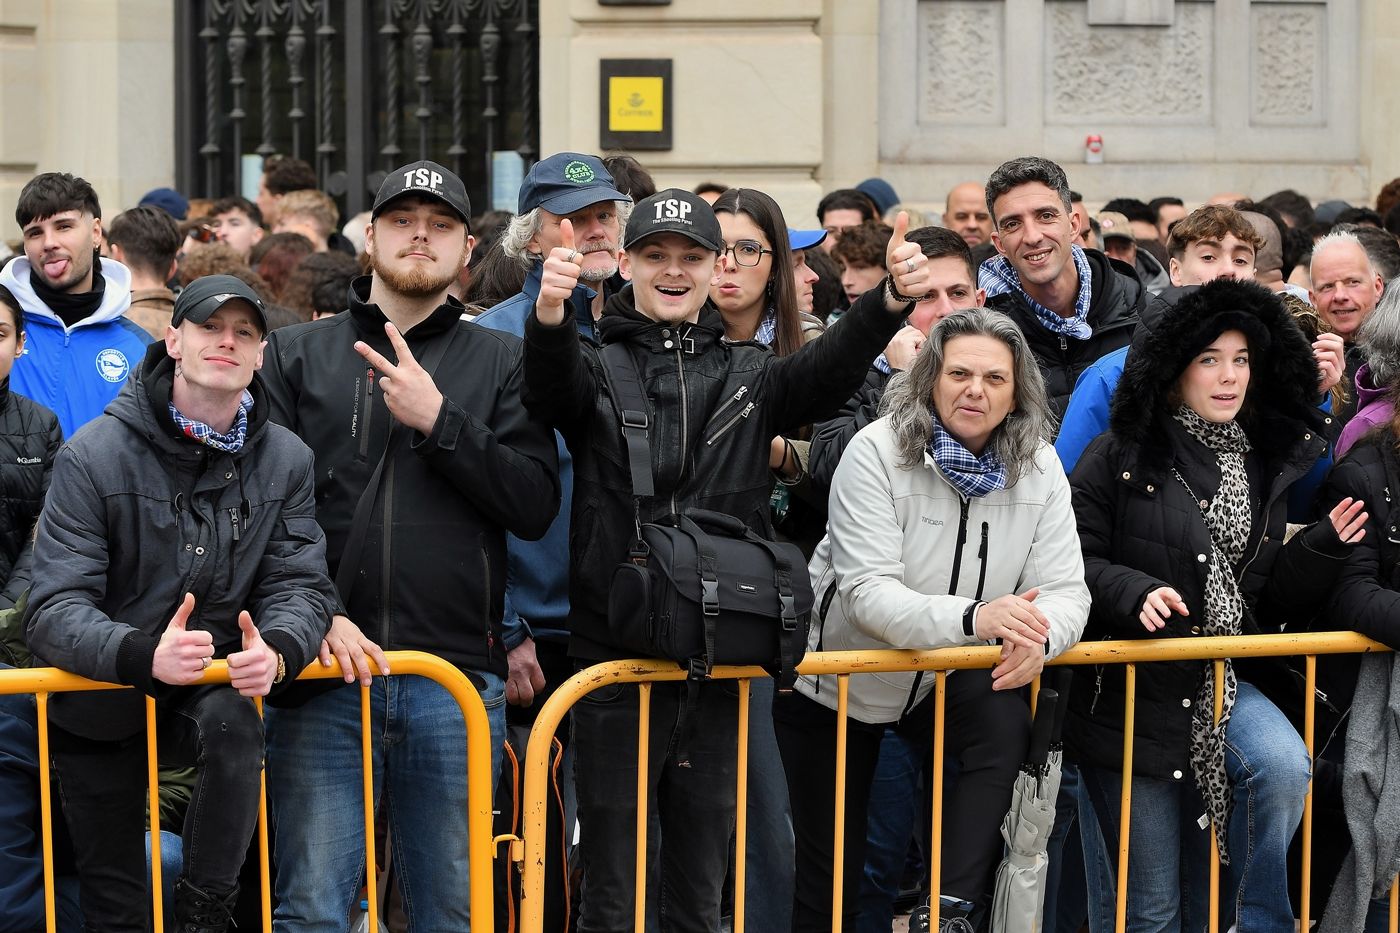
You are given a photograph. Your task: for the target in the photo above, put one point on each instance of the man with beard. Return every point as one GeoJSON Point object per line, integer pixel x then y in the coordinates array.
{"type": "Point", "coordinates": [401, 388]}
{"type": "Point", "coordinates": [81, 347]}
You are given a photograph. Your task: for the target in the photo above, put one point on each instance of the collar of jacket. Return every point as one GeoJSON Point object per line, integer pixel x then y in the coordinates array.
{"type": "Point", "coordinates": [622, 321]}
{"type": "Point", "coordinates": [4, 393]}
{"type": "Point", "coordinates": [370, 321]}
{"type": "Point", "coordinates": [157, 377]}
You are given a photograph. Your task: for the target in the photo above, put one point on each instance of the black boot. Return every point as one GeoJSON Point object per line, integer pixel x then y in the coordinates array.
{"type": "Point", "coordinates": [199, 912]}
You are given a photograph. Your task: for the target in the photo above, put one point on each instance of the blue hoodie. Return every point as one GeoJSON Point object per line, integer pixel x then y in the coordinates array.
{"type": "Point", "coordinates": [76, 372]}
{"type": "Point", "coordinates": [537, 576]}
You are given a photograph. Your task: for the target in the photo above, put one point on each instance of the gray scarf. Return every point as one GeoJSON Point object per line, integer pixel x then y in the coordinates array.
{"type": "Point", "coordinates": [1228, 518]}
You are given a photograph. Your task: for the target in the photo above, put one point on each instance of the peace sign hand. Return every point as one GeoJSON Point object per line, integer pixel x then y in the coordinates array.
{"type": "Point", "coordinates": [409, 391]}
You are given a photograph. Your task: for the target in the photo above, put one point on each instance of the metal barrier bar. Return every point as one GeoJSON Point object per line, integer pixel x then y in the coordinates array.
{"type": "Point", "coordinates": [741, 808]}
{"type": "Point", "coordinates": [153, 801]}
{"type": "Point", "coordinates": [940, 661]}
{"type": "Point", "coordinates": [1213, 904]}
{"type": "Point", "coordinates": [935, 856]}
{"type": "Point", "coordinates": [639, 917]}
{"type": "Point", "coordinates": [367, 778]}
{"type": "Point", "coordinates": [264, 859]}
{"type": "Point", "coordinates": [43, 681]}
{"type": "Point", "coordinates": [1309, 725]}
{"type": "Point", "coordinates": [838, 836]}
{"type": "Point", "coordinates": [1120, 909]}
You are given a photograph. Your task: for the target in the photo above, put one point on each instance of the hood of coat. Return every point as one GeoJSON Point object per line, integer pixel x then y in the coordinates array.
{"type": "Point", "coordinates": [1282, 396]}
{"type": "Point", "coordinates": [144, 404]}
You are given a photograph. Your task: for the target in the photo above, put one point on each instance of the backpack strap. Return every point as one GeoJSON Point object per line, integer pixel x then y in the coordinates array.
{"type": "Point", "coordinates": [631, 401]}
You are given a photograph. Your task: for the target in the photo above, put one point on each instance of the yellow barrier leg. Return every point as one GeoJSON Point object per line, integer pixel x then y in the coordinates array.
{"type": "Point", "coordinates": [153, 788]}
{"type": "Point", "coordinates": [367, 764]}
{"type": "Point", "coordinates": [1395, 904]}
{"type": "Point", "coordinates": [741, 808]}
{"type": "Point", "coordinates": [838, 833]}
{"type": "Point", "coordinates": [935, 855]}
{"type": "Point", "coordinates": [639, 918]}
{"type": "Point", "coordinates": [1213, 921]}
{"type": "Point", "coordinates": [1309, 718]}
{"type": "Point", "coordinates": [264, 872]}
{"type": "Point", "coordinates": [1120, 919]}
{"type": "Point", "coordinates": [41, 701]}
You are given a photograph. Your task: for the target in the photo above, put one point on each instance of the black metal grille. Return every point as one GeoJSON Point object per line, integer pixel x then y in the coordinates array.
{"type": "Point", "coordinates": [355, 87]}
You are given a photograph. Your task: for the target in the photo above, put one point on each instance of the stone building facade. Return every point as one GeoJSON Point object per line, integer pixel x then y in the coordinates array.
{"type": "Point", "coordinates": [1191, 97]}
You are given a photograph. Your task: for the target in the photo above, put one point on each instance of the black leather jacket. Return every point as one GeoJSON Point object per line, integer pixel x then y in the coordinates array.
{"type": "Point", "coordinates": [29, 440]}
{"type": "Point", "coordinates": [715, 407]}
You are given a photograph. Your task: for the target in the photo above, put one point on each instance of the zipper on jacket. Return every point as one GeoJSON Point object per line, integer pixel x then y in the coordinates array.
{"type": "Point", "coordinates": [982, 556]}
{"type": "Point", "coordinates": [729, 403]}
{"type": "Point", "coordinates": [369, 407]}
{"type": "Point", "coordinates": [486, 600]}
{"type": "Point", "coordinates": [685, 421]}
{"type": "Point", "coordinates": [733, 420]}
{"type": "Point", "coordinates": [385, 547]}
{"type": "Point", "coordinates": [962, 540]}
{"type": "Point", "coordinates": [233, 520]}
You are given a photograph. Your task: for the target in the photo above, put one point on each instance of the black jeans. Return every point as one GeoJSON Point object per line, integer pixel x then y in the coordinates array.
{"type": "Point", "coordinates": [987, 732]}
{"type": "Point", "coordinates": [104, 791]}
{"type": "Point", "coordinates": [690, 807]}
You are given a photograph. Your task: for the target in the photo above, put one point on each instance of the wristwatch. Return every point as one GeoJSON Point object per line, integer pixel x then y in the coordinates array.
{"type": "Point", "coordinates": [281, 669]}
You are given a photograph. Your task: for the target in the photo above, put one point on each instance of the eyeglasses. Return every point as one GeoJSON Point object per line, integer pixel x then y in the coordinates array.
{"type": "Point", "coordinates": [747, 252]}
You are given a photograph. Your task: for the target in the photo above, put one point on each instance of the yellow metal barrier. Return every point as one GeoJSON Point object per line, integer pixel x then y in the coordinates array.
{"type": "Point", "coordinates": [844, 664]}
{"type": "Point", "coordinates": [45, 681]}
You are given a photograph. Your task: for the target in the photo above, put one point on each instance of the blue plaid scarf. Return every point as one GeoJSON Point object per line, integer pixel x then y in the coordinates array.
{"type": "Point", "coordinates": [998, 277]}
{"type": "Point", "coordinates": [972, 476]}
{"type": "Point", "coordinates": [231, 442]}
{"type": "Point", "coordinates": [767, 330]}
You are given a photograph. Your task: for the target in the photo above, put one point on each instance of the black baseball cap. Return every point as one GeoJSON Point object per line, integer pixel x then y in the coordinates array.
{"type": "Point", "coordinates": [674, 210]}
{"type": "Point", "coordinates": [427, 179]}
{"type": "Point", "coordinates": [198, 301]}
{"type": "Point", "coordinates": [567, 182]}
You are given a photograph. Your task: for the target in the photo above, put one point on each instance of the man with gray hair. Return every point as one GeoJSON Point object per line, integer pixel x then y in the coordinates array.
{"type": "Point", "coordinates": [1345, 290]}
{"type": "Point", "coordinates": [576, 187]}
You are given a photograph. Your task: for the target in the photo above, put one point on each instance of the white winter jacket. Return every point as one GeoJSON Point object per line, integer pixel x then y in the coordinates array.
{"type": "Point", "coordinates": [905, 555]}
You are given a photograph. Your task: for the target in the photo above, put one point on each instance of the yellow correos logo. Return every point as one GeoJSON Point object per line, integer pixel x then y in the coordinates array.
{"type": "Point", "coordinates": [635, 105]}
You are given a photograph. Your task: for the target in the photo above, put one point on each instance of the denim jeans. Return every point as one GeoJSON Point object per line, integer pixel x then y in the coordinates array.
{"type": "Point", "coordinates": [1168, 857]}
{"type": "Point", "coordinates": [103, 789]}
{"type": "Point", "coordinates": [690, 804]}
{"type": "Point", "coordinates": [769, 861]}
{"type": "Point", "coordinates": [892, 819]}
{"type": "Point", "coordinates": [314, 781]}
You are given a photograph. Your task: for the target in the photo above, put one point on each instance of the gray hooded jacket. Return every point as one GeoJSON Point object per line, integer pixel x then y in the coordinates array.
{"type": "Point", "coordinates": [137, 515]}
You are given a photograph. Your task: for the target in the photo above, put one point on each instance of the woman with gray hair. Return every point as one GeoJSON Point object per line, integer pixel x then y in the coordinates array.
{"type": "Point", "coordinates": [951, 524]}
{"type": "Point", "coordinates": [1377, 379]}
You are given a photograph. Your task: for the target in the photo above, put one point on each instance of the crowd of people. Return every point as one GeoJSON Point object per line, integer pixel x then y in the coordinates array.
{"type": "Point", "coordinates": [244, 431]}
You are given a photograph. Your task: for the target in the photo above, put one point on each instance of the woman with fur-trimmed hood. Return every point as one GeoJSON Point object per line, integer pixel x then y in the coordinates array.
{"type": "Point", "coordinates": [1182, 512]}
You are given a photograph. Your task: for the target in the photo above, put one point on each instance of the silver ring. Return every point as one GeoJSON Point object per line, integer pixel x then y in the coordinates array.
{"type": "Point", "coordinates": [573, 256]}
{"type": "Point", "coordinates": [206, 663]}
{"type": "Point", "coordinates": [909, 264]}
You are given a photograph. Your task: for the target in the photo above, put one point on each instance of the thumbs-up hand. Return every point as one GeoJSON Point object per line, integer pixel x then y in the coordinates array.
{"type": "Point", "coordinates": [906, 262]}
{"type": "Point", "coordinates": [182, 656]}
{"type": "Point", "coordinates": [251, 670]}
{"type": "Point", "coordinates": [561, 271]}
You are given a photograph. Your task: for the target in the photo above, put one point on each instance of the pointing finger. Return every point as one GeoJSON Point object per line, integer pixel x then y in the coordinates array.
{"type": "Point", "coordinates": [374, 358]}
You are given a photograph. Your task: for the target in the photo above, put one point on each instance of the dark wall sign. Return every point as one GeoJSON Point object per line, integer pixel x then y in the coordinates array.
{"type": "Point", "coordinates": [635, 103]}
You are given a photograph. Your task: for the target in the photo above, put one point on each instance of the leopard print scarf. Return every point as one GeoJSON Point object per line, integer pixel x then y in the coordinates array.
{"type": "Point", "coordinates": [1228, 518]}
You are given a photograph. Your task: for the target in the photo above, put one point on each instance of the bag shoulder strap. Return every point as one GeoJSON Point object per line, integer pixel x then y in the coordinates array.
{"type": "Point", "coordinates": [359, 524]}
{"type": "Point", "coordinates": [631, 401]}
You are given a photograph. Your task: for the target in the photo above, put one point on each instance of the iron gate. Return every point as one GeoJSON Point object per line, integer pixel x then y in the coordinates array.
{"type": "Point", "coordinates": [355, 87]}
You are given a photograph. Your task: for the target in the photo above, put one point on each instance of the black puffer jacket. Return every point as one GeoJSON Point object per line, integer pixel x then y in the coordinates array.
{"type": "Point", "coordinates": [432, 573]}
{"type": "Point", "coordinates": [829, 438]}
{"type": "Point", "coordinates": [29, 440]}
{"type": "Point", "coordinates": [1118, 299]}
{"type": "Point", "coordinates": [1366, 598]}
{"type": "Point", "coordinates": [1141, 528]}
{"type": "Point", "coordinates": [139, 515]}
{"type": "Point", "coordinates": [715, 407]}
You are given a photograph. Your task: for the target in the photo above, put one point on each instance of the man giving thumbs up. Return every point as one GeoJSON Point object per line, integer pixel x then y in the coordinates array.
{"type": "Point", "coordinates": [179, 528]}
